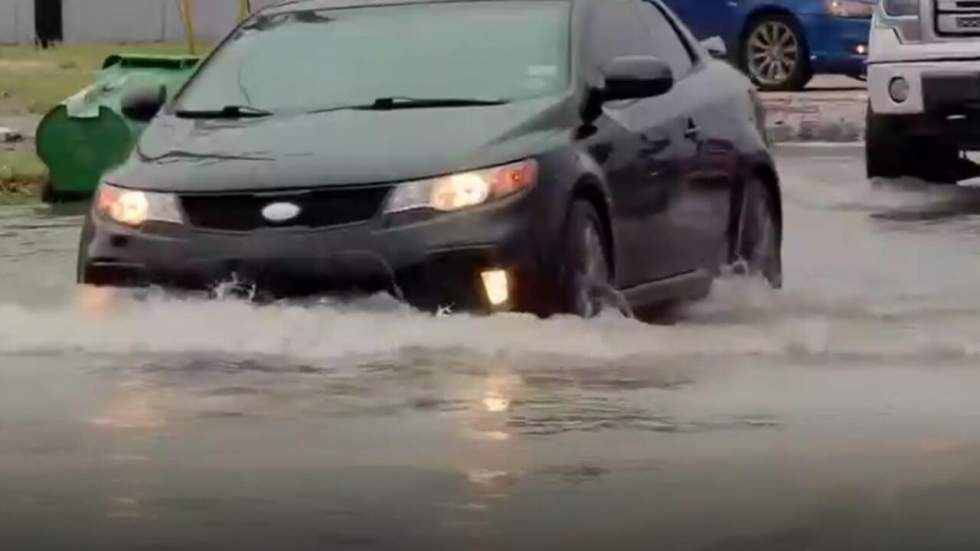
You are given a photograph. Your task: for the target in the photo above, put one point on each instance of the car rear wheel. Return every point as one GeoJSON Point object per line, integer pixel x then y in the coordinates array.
{"type": "Point", "coordinates": [775, 54]}
{"type": "Point", "coordinates": [755, 248]}
{"type": "Point", "coordinates": [585, 275]}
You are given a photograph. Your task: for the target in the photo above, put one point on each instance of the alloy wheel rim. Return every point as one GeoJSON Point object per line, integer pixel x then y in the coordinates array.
{"type": "Point", "coordinates": [773, 53]}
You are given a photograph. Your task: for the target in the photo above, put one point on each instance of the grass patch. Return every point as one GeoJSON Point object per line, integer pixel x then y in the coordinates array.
{"type": "Point", "coordinates": [37, 80]}
{"type": "Point", "coordinates": [21, 174]}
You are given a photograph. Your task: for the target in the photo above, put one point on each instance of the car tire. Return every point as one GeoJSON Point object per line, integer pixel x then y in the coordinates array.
{"type": "Point", "coordinates": [584, 274]}
{"type": "Point", "coordinates": [940, 163]}
{"type": "Point", "coordinates": [891, 153]}
{"type": "Point", "coordinates": [774, 53]}
{"type": "Point", "coordinates": [883, 147]}
{"type": "Point", "coordinates": [755, 245]}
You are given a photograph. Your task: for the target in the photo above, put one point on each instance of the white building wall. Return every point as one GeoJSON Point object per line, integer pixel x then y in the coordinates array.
{"type": "Point", "coordinates": [124, 20]}
{"type": "Point", "coordinates": [16, 21]}
{"type": "Point", "coordinates": [120, 20]}
{"type": "Point", "coordinates": [144, 20]}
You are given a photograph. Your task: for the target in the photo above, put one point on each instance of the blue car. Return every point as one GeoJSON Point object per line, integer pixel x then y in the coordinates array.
{"type": "Point", "coordinates": [781, 44]}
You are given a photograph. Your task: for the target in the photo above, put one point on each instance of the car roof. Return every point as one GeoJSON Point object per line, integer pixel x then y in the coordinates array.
{"type": "Point", "coordinates": [303, 5]}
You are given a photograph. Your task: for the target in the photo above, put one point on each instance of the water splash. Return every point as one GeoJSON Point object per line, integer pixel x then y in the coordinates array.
{"type": "Point", "coordinates": [741, 318]}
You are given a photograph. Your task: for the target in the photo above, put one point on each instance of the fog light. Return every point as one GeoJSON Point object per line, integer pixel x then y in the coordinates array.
{"type": "Point", "coordinates": [496, 286]}
{"type": "Point", "coordinates": [861, 49]}
{"type": "Point", "coordinates": [94, 301]}
{"type": "Point", "coordinates": [898, 89]}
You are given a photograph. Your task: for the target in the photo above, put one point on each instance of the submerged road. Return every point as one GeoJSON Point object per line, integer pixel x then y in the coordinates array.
{"type": "Point", "coordinates": [839, 413]}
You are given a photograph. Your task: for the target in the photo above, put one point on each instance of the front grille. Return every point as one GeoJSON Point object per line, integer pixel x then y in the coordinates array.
{"type": "Point", "coordinates": [318, 208]}
{"type": "Point", "coordinates": [972, 22]}
{"type": "Point", "coordinates": [958, 17]}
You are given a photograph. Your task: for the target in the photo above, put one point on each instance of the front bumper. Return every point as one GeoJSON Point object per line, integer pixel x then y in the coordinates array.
{"type": "Point", "coordinates": [935, 87]}
{"type": "Point", "coordinates": [432, 263]}
{"type": "Point", "coordinates": [838, 45]}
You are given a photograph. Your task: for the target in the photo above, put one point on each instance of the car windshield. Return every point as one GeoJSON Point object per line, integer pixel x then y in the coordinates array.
{"type": "Point", "coordinates": [312, 60]}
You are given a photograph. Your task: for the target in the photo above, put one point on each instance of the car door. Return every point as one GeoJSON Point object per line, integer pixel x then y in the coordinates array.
{"type": "Point", "coordinates": [635, 142]}
{"type": "Point", "coordinates": [706, 153]}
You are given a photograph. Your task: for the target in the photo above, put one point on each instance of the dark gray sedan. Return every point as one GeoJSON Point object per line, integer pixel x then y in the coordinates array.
{"type": "Point", "coordinates": [542, 156]}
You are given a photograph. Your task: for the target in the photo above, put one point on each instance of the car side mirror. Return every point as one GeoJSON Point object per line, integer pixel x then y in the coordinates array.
{"type": "Point", "coordinates": [634, 77]}
{"type": "Point", "coordinates": [143, 103]}
{"type": "Point", "coordinates": [716, 47]}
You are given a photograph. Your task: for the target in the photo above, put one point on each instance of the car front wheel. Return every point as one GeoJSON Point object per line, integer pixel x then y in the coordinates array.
{"type": "Point", "coordinates": [756, 239]}
{"type": "Point", "coordinates": [584, 273]}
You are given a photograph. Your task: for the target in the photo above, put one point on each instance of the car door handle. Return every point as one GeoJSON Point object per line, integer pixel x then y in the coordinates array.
{"type": "Point", "coordinates": [693, 130]}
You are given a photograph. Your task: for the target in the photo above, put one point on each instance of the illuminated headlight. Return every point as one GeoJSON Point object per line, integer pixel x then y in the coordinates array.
{"type": "Point", "coordinates": [900, 8]}
{"type": "Point", "coordinates": [849, 8]}
{"type": "Point", "coordinates": [133, 208]}
{"type": "Point", "coordinates": [463, 190]}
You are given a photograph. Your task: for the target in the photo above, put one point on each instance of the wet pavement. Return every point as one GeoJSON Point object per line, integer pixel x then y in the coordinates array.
{"type": "Point", "coordinates": [839, 413]}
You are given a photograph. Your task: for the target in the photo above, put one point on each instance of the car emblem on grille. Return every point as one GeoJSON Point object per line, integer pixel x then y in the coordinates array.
{"type": "Point", "coordinates": [280, 212]}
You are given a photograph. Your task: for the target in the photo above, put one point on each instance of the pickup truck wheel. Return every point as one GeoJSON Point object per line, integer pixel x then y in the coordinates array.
{"type": "Point", "coordinates": [774, 53]}
{"type": "Point", "coordinates": [938, 163]}
{"type": "Point", "coordinates": [884, 148]}
{"type": "Point", "coordinates": [891, 153]}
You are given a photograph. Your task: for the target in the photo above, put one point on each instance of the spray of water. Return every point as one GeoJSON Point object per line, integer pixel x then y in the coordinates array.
{"type": "Point", "coordinates": [743, 317]}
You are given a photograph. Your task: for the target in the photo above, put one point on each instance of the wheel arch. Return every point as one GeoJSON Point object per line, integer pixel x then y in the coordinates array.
{"type": "Point", "coordinates": [764, 172]}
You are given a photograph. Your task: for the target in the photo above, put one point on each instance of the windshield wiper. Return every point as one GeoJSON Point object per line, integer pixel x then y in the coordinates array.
{"type": "Point", "coordinates": [404, 102]}
{"type": "Point", "coordinates": [226, 112]}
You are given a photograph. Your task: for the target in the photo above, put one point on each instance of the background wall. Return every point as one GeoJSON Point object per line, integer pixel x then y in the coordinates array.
{"type": "Point", "coordinates": [16, 21]}
{"type": "Point", "coordinates": [123, 20]}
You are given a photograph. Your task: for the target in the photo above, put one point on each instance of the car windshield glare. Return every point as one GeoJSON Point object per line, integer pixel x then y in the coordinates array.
{"type": "Point", "coordinates": [314, 60]}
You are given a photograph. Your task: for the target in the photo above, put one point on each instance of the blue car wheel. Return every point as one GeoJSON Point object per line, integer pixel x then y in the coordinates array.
{"type": "Point", "coordinates": [775, 54]}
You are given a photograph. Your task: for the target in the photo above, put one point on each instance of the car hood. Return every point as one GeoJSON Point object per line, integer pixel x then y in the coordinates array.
{"type": "Point", "coordinates": [340, 147]}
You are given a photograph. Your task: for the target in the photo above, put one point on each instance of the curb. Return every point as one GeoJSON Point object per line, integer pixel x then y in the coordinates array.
{"type": "Point", "coordinates": [836, 117]}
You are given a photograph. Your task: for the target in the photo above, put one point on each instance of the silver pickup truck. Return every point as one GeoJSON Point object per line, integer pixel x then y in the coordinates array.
{"type": "Point", "coordinates": [924, 88]}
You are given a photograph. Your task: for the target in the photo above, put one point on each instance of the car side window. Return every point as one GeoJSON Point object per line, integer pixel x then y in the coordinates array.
{"type": "Point", "coordinates": [668, 45]}
{"type": "Point", "coordinates": [617, 31]}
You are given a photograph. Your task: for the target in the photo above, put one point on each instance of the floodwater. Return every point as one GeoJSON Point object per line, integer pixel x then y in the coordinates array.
{"type": "Point", "coordinates": [839, 413]}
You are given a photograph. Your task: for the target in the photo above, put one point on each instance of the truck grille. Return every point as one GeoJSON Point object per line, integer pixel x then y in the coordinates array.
{"type": "Point", "coordinates": [958, 17]}
{"type": "Point", "coordinates": [317, 208]}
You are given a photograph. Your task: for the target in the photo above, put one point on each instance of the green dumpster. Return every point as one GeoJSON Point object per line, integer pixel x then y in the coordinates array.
{"type": "Point", "coordinates": [87, 134]}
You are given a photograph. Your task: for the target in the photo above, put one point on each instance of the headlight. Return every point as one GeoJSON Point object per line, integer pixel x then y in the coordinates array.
{"type": "Point", "coordinates": [849, 8]}
{"type": "Point", "coordinates": [900, 8]}
{"type": "Point", "coordinates": [463, 190]}
{"type": "Point", "coordinates": [133, 208]}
